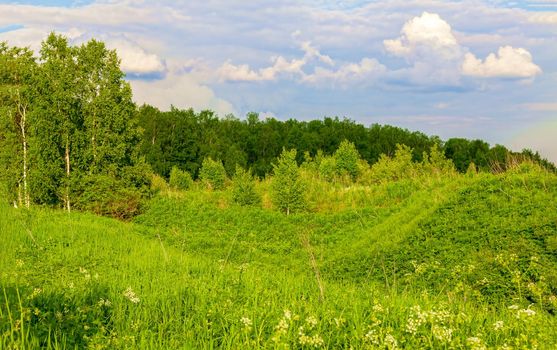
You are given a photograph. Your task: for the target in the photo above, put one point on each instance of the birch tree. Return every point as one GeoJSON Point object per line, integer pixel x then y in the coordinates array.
{"type": "Point", "coordinates": [17, 67]}
{"type": "Point", "coordinates": [58, 121]}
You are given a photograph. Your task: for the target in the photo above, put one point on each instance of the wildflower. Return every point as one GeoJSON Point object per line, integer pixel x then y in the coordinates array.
{"type": "Point", "coordinates": [130, 294]}
{"type": "Point", "coordinates": [287, 314]}
{"type": "Point", "coordinates": [378, 308]}
{"type": "Point", "coordinates": [390, 341]}
{"type": "Point", "coordinates": [282, 326]}
{"type": "Point", "coordinates": [442, 334]}
{"type": "Point", "coordinates": [372, 337]}
{"type": "Point", "coordinates": [513, 307]}
{"type": "Point", "coordinates": [19, 263]}
{"type": "Point", "coordinates": [475, 343]}
{"type": "Point", "coordinates": [304, 339]}
{"type": "Point", "coordinates": [102, 302]}
{"type": "Point", "coordinates": [246, 322]}
{"type": "Point", "coordinates": [36, 292]}
{"type": "Point", "coordinates": [498, 325]}
{"type": "Point", "coordinates": [526, 313]}
{"type": "Point", "coordinates": [311, 321]}
{"type": "Point", "coordinates": [412, 326]}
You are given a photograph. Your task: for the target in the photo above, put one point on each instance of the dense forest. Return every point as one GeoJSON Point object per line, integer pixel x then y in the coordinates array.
{"type": "Point", "coordinates": [71, 136]}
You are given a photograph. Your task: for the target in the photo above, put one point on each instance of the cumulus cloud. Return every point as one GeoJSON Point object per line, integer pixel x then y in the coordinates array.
{"type": "Point", "coordinates": [181, 90]}
{"type": "Point", "coordinates": [507, 63]}
{"type": "Point", "coordinates": [367, 70]}
{"type": "Point", "coordinates": [430, 46]}
{"type": "Point", "coordinates": [136, 61]}
{"type": "Point", "coordinates": [281, 66]}
{"type": "Point", "coordinates": [422, 36]}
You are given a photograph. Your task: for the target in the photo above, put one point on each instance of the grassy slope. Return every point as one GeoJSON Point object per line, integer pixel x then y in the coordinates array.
{"type": "Point", "coordinates": [461, 249]}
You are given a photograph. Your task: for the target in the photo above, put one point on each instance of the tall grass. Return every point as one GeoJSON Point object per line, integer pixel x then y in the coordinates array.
{"type": "Point", "coordinates": [399, 265]}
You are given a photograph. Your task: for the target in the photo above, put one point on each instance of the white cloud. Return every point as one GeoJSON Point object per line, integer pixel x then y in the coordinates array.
{"type": "Point", "coordinates": [424, 35]}
{"type": "Point", "coordinates": [281, 66]}
{"type": "Point", "coordinates": [136, 60]}
{"type": "Point", "coordinates": [428, 43]}
{"type": "Point", "coordinates": [181, 90]}
{"type": "Point", "coordinates": [543, 17]}
{"type": "Point", "coordinates": [507, 63]}
{"type": "Point", "coordinates": [367, 70]}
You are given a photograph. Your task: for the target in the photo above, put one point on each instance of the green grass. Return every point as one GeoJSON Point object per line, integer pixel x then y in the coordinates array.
{"type": "Point", "coordinates": [451, 263]}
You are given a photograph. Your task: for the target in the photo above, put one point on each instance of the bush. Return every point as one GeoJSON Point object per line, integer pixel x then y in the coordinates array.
{"type": "Point", "coordinates": [213, 174]}
{"type": "Point", "coordinates": [243, 188]}
{"type": "Point", "coordinates": [287, 189]}
{"type": "Point", "coordinates": [328, 168]}
{"type": "Point", "coordinates": [158, 184]}
{"type": "Point", "coordinates": [180, 180]}
{"type": "Point", "coordinates": [346, 158]}
{"type": "Point", "coordinates": [107, 196]}
{"type": "Point", "coordinates": [393, 169]}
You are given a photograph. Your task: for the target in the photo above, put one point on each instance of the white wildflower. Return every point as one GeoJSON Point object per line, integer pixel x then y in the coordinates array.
{"type": "Point", "coordinates": [246, 322]}
{"type": "Point", "coordinates": [130, 294]}
{"type": "Point", "coordinates": [475, 343]}
{"type": "Point", "coordinates": [287, 314]}
{"type": "Point", "coordinates": [311, 321]}
{"type": "Point", "coordinates": [372, 337]}
{"type": "Point", "coordinates": [442, 334]}
{"type": "Point", "coordinates": [498, 325]}
{"type": "Point", "coordinates": [390, 341]}
{"type": "Point", "coordinates": [378, 308]}
{"type": "Point", "coordinates": [525, 313]}
{"type": "Point", "coordinates": [104, 302]}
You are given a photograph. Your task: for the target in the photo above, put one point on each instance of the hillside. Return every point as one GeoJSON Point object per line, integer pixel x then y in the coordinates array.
{"type": "Point", "coordinates": [460, 261]}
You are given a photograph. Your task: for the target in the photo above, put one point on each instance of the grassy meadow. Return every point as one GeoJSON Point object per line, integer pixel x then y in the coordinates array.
{"type": "Point", "coordinates": [460, 261]}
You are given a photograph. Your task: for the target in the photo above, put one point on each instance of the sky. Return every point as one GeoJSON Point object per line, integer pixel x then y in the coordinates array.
{"type": "Point", "coordinates": [474, 69]}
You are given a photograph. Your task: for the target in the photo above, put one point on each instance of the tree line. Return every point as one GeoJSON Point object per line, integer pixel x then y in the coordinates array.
{"type": "Point", "coordinates": [72, 137]}
{"type": "Point", "coordinates": [184, 138]}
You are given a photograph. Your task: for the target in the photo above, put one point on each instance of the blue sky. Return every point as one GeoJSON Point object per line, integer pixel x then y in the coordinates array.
{"type": "Point", "coordinates": [476, 69]}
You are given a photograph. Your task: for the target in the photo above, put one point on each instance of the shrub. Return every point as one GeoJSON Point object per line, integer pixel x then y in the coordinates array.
{"type": "Point", "coordinates": [435, 163]}
{"type": "Point", "coordinates": [287, 189]}
{"type": "Point", "coordinates": [243, 188]}
{"type": "Point", "coordinates": [213, 174]}
{"type": "Point", "coordinates": [158, 184]}
{"type": "Point", "coordinates": [346, 158]}
{"type": "Point", "coordinates": [393, 169]}
{"type": "Point", "coordinates": [108, 196]}
{"type": "Point", "coordinates": [180, 180]}
{"type": "Point", "coordinates": [328, 168]}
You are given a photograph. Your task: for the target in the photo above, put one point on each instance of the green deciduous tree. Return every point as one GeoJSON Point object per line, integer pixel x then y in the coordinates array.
{"type": "Point", "coordinates": [288, 190]}
{"type": "Point", "coordinates": [180, 180]}
{"type": "Point", "coordinates": [213, 174]}
{"type": "Point", "coordinates": [243, 188]}
{"type": "Point", "coordinates": [346, 158]}
{"type": "Point", "coordinates": [17, 67]}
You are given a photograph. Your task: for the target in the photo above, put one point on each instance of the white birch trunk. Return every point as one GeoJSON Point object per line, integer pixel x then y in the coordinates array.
{"type": "Point", "coordinates": [23, 126]}
{"type": "Point", "coordinates": [68, 205]}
